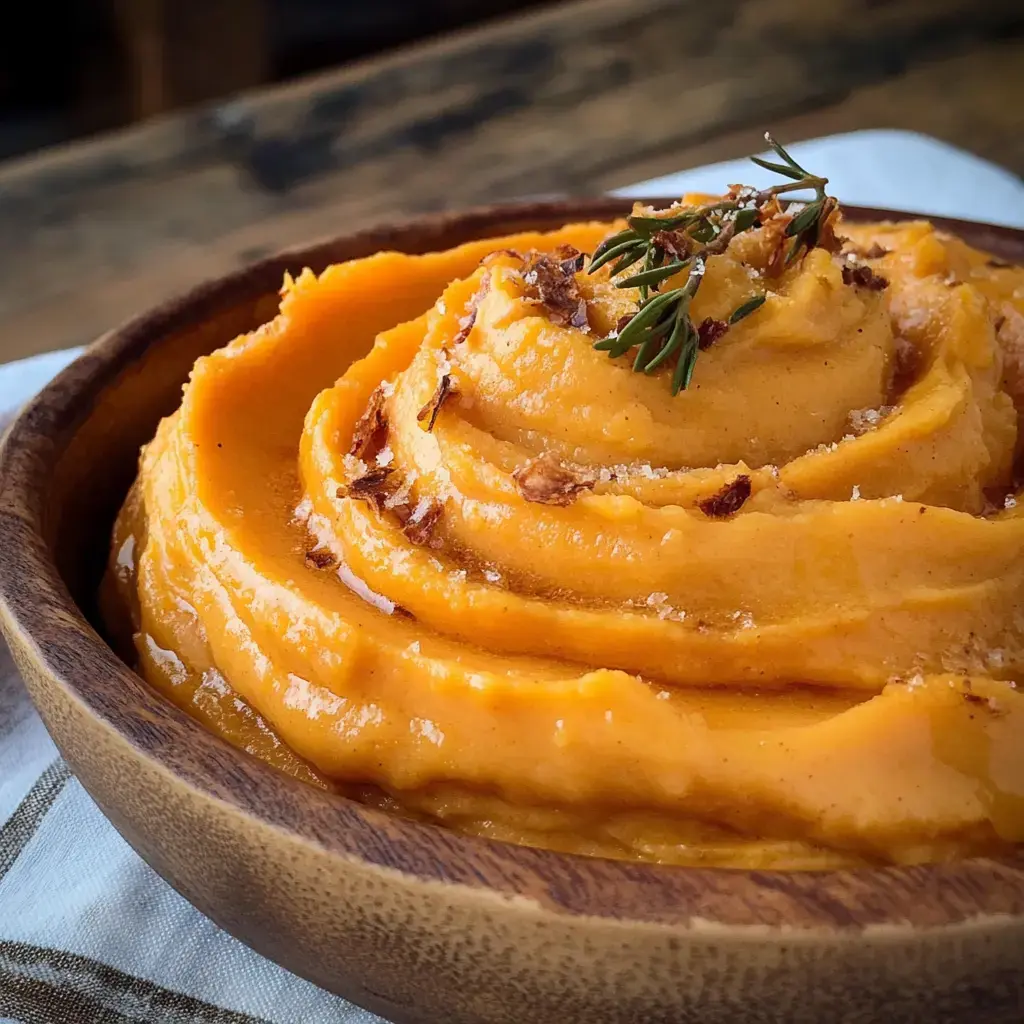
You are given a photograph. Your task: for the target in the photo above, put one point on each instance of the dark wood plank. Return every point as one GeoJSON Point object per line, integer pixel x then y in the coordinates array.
{"type": "Point", "coordinates": [572, 99]}
{"type": "Point", "coordinates": [962, 99]}
{"type": "Point", "coordinates": [190, 50]}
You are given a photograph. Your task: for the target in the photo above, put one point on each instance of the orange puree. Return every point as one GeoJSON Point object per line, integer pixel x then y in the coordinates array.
{"type": "Point", "coordinates": [825, 676]}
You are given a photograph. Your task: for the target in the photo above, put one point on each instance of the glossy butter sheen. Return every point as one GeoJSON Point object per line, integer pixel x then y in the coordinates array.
{"type": "Point", "coordinates": [825, 678]}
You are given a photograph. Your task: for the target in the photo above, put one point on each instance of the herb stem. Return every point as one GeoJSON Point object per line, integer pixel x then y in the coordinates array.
{"type": "Point", "coordinates": [671, 241]}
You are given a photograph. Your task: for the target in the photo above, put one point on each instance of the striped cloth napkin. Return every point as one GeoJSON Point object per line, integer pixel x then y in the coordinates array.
{"type": "Point", "coordinates": [87, 931]}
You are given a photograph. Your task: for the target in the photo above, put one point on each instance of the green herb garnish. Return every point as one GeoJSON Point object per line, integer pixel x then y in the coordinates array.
{"type": "Point", "coordinates": [683, 238]}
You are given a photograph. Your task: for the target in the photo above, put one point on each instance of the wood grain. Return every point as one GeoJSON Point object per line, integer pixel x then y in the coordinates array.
{"type": "Point", "coordinates": [416, 922]}
{"type": "Point", "coordinates": [571, 99]}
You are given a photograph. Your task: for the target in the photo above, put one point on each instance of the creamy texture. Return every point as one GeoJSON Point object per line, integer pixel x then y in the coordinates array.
{"type": "Point", "coordinates": [824, 677]}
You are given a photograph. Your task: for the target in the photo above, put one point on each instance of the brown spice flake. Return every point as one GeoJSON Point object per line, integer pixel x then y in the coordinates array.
{"type": "Point", "coordinates": [728, 501]}
{"type": "Point", "coordinates": [906, 366]}
{"type": "Point", "coordinates": [318, 558]}
{"type": "Point", "coordinates": [875, 252]}
{"type": "Point", "coordinates": [371, 429]}
{"type": "Point", "coordinates": [546, 481]}
{"type": "Point", "coordinates": [862, 276]}
{"type": "Point", "coordinates": [419, 527]}
{"type": "Point", "coordinates": [552, 283]}
{"type": "Point", "coordinates": [998, 264]}
{"type": "Point", "coordinates": [990, 704]}
{"type": "Point", "coordinates": [402, 613]}
{"type": "Point", "coordinates": [445, 390]}
{"type": "Point", "coordinates": [709, 331]}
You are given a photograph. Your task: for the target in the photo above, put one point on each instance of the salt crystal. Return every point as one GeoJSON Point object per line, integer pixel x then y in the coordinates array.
{"type": "Point", "coordinates": [414, 647]}
{"type": "Point", "coordinates": [400, 497]}
{"type": "Point", "coordinates": [387, 388]}
{"type": "Point", "coordinates": [423, 506]}
{"type": "Point", "coordinates": [491, 576]}
{"type": "Point", "coordinates": [660, 604]}
{"type": "Point", "coordinates": [354, 467]}
{"type": "Point", "coordinates": [663, 695]}
{"type": "Point", "coordinates": [385, 457]}
{"type": "Point", "coordinates": [863, 420]}
{"type": "Point", "coordinates": [1010, 502]}
{"type": "Point", "coordinates": [855, 496]}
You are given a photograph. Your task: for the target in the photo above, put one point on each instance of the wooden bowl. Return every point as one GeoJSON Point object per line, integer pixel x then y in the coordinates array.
{"type": "Point", "coordinates": [416, 923]}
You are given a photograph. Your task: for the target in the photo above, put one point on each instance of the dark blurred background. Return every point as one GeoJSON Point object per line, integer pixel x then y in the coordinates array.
{"type": "Point", "coordinates": [148, 145]}
{"type": "Point", "coordinates": [75, 67]}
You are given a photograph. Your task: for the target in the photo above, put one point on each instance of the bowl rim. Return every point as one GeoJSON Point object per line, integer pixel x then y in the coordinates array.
{"type": "Point", "coordinates": [939, 895]}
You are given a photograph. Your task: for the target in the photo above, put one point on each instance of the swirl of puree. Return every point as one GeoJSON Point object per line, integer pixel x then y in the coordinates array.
{"type": "Point", "coordinates": [701, 548]}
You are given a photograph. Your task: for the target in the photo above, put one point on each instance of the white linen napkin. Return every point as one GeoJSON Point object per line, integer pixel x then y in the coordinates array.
{"type": "Point", "coordinates": [88, 932]}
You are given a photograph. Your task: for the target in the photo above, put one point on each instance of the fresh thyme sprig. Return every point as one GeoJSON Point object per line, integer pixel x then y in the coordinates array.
{"type": "Point", "coordinates": [668, 243]}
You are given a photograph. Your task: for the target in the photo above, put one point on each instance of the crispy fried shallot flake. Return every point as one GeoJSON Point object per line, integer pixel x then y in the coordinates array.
{"type": "Point", "coordinates": [318, 558]}
{"type": "Point", "coordinates": [773, 235]}
{"type": "Point", "coordinates": [370, 433]}
{"type": "Point", "coordinates": [675, 243]}
{"type": "Point", "coordinates": [546, 481]}
{"type": "Point", "coordinates": [827, 238]}
{"type": "Point", "coordinates": [709, 331]}
{"type": "Point", "coordinates": [570, 259]}
{"type": "Point", "coordinates": [445, 390]}
{"type": "Point", "coordinates": [468, 320]}
{"type": "Point", "coordinates": [551, 282]}
{"type": "Point", "coordinates": [372, 487]}
{"type": "Point", "coordinates": [419, 527]}
{"type": "Point", "coordinates": [728, 501]}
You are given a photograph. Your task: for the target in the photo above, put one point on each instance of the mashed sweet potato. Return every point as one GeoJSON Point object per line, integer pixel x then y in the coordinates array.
{"type": "Point", "coordinates": [417, 540]}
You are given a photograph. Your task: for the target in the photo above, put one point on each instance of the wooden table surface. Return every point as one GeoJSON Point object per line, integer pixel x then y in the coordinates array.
{"type": "Point", "coordinates": [576, 98]}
